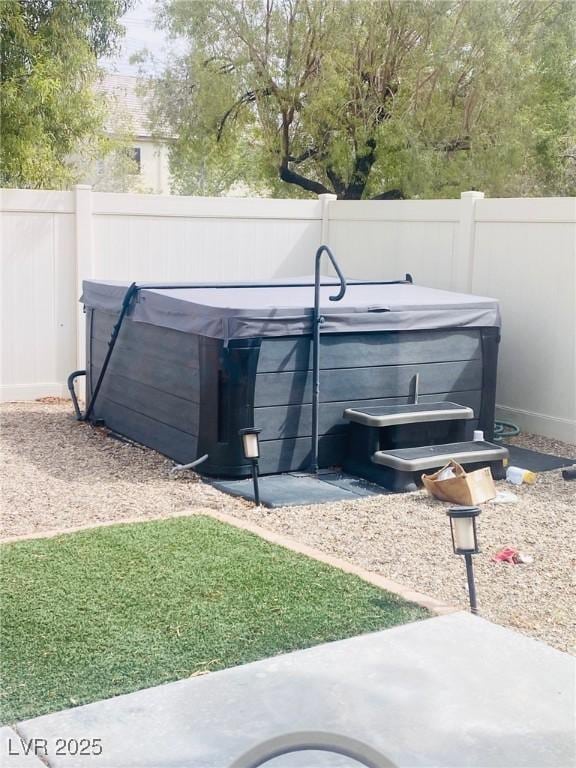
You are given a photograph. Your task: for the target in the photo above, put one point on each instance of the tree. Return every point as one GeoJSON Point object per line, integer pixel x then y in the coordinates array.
{"type": "Point", "coordinates": [371, 98]}
{"type": "Point", "coordinates": [48, 107]}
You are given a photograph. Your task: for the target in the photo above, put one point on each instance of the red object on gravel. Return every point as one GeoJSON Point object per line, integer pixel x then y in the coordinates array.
{"type": "Point", "coordinates": [506, 555]}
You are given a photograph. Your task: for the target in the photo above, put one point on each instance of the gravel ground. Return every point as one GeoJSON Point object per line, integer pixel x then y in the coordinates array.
{"type": "Point", "coordinates": [59, 474]}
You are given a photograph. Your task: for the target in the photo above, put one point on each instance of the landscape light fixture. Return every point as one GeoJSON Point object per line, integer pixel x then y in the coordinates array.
{"type": "Point", "coordinates": [465, 542]}
{"type": "Point", "coordinates": [251, 448]}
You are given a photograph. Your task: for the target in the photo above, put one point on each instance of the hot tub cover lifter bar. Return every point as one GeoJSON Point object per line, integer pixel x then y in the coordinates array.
{"type": "Point", "coordinates": [316, 323]}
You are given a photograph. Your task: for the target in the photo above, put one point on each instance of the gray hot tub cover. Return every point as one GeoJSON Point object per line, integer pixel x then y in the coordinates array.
{"type": "Point", "coordinates": [247, 310]}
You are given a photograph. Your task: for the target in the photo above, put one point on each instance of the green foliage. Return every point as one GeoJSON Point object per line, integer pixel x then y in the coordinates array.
{"type": "Point", "coordinates": [363, 97]}
{"type": "Point", "coordinates": [115, 170]}
{"type": "Point", "coordinates": [48, 108]}
{"type": "Point", "coordinates": [121, 608]}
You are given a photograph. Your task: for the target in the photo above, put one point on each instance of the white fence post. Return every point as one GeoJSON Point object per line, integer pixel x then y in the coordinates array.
{"type": "Point", "coordinates": [84, 261]}
{"type": "Point", "coordinates": [464, 266]}
{"type": "Point", "coordinates": [325, 201]}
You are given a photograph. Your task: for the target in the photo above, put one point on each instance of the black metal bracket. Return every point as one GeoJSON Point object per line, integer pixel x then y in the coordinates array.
{"type": "Point", "coordinates": [126, 301]}
{"type": "Point", "coordinates": [70, 382]}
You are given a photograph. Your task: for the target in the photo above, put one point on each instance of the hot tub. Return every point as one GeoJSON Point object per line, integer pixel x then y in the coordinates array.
{"type": "Point", "coordinates": [193, 365]}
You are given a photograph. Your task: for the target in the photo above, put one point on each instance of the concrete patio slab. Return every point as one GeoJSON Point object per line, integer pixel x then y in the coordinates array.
{"type": "Point", "coordinates": [453, 691]}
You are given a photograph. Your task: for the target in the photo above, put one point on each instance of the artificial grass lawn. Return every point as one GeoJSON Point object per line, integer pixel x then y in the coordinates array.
{"type": "Point", "coordinates": [91, 615]}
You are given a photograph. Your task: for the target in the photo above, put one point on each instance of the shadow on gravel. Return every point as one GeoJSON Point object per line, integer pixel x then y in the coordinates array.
{"type": "Point", "coordinates": [63, 448]}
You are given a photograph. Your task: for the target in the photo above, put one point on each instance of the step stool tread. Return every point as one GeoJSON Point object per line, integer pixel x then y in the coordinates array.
{"type": "Point", "coordinates": [429, 456]}
{"type": "Point", "coordinates": [388, 415]}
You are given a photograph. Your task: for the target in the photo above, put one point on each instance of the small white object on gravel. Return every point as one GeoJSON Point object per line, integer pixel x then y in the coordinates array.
{"type": "Point", "coordinates": [60, 474]}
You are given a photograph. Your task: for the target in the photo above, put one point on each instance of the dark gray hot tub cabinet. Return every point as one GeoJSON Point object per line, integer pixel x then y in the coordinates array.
{"type": "Point", "coordinates": [193, 366]}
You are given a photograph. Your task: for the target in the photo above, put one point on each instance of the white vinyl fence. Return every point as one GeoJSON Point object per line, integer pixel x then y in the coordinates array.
{"type": "Point", "coordinates": [521, 251]}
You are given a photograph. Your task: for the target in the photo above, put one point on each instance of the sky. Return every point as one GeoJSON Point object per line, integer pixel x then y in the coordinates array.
{"type": "Point", "coordinates": [141, 33]}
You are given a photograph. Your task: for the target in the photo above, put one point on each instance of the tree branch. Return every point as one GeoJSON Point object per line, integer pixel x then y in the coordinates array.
{"type": "Point", "coordinates": [290, 177]}
{"type": "Point", "coordinates": [246, 98]}
{"type": "Point", "coordinates": [362, 168]}
{"type": "Point", "coordinates": [336, 181]}
{"type": "Point", "coordinates": [454, 145]}
{"type": "Point", "coordinates": [390, 194]}
{"type": "Point", "coordinates": [306, 155]}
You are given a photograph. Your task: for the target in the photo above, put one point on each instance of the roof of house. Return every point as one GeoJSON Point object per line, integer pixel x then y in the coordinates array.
{"type": "Point", "coordinates": [125, 100]}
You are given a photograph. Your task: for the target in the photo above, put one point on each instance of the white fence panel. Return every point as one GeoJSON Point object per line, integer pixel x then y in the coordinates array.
{"type": "Point", "coordinates": [522, 252]}
{"type": "Point", "coordinates": [384, 240]}
{"type": "Point", "coordinates": [51, 241]}
{"type": "Point", "coordinates": [202, 239]}
{"type": "Point", "coordinates": [37, 294]}
{"type": "Point", "coordinates": [525, 255]}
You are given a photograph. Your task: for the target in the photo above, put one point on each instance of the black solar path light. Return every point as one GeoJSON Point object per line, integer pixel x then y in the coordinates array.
{"type": "Point", "coordinates": [465, 542]}
{"type": "Point", "coordinates": [251, 448]}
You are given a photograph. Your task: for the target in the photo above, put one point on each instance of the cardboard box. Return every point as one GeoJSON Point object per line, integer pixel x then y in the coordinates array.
{"type": "Point", "coordinates": [462, 488]}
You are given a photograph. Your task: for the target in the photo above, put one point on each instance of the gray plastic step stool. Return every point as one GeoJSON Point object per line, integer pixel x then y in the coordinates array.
{"type": "Point", "coordinates": [393, 445]}
{"type": "Point", "coordinates": [389, 415]}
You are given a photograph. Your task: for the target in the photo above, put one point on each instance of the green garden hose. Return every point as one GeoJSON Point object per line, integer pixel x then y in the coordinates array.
{"type": "Point", "coordinates": [505, 429]}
